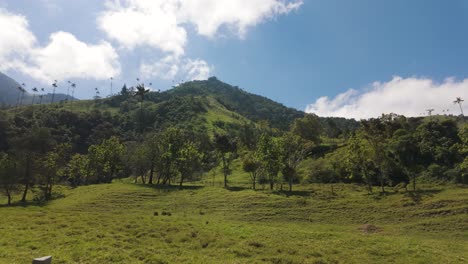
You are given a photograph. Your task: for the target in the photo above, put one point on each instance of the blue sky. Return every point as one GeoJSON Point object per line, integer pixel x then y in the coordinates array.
{"type": "Point", "coordinates": [335, 58]}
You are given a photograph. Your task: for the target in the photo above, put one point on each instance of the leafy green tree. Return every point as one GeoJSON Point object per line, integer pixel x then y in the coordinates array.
{"type": "Point", "coordinates": [188, 162]}
{"type": "Point", "coordinates": [8, 176]}
{"type": "Point", "coordinates": [54, 165]}
{"type": "Point", "coordinates": [79, 167]}
{"type": "Point", "coordinates": [106, 159]}
{"type": "Point", "coordinates": [359, 161]}
{"type": "Point", "coordinates": [251, 165]}
{"type": "Point", "coordinates": [226, 148]}
{"type": "Point", "coordinates": [293, 152]}
{"type": "Point", "coordinates": [405, 149]}
{"type": "Point", "coordinates": [28, 150]}
{"type": "Point", "coordinates": [269, 154]}
{"type": "Point", "coordinates": [308, 128]}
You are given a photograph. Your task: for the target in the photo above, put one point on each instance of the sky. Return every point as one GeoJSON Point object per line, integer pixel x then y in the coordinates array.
{"type": "Point", "coordinates": [355, 59]}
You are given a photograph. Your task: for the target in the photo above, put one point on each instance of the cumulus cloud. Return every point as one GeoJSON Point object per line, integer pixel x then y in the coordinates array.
{"type": "Point", "coordinates": [172, 67]}
{"type": "Point", "coordinates": [210, 15]}
{"type": "Point", "coordinates": [162, 24]}
{"type": "Point", "coordinates": [405, 96]}
{"type": "Point", "coordinates": [15, 39]}
{"type": "Point", "coordinates": [63, 57]}
{"type": "Point", "coordinates": [144, 22]}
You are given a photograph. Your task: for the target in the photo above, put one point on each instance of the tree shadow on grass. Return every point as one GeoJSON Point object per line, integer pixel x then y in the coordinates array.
{"type": "Point", "coordinates": [168, 188]}
{"type": "Point", "coordinates": [418, 195]}
{"type": "Point", "coordinates": [26, 204]}
{"type": "Point", "coordinates": [294, 193]}
{"type": "Point", "coordinates": [237, 188]}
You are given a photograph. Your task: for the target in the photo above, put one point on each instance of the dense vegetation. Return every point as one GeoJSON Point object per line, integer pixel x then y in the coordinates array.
{"type": "Point", "coordinates": [143, 170]}
{"type": "Point", "coordinates": [182, 134]}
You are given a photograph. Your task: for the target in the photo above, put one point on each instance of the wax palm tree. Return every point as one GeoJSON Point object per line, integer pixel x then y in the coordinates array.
{"type": "Point", "coordinates": [141, 92]}
{"type": "Point", "coordinates": [54, 85]}
{"type": "Point", "coordinates": [68, 90]}
{"type": "Point", "coordinates": [459, 101]}
{"type": "Point", "coordinates": [19, 96]}
{"type": "Point", "coordinates": [34, 94]}
{"type": "Point", "coordinates": [23, 90]}
{"type": "Point", "coordinates": [111, 79]}
{"type": "Point", "coordinates": [41, 96]}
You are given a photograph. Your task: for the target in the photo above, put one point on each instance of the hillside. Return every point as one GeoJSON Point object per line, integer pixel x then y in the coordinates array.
{"type": "Point", "coordinates": [9, 93]}
{"type": "Point", "coordinates": [128, 223]}
{"type": "Point", "coordinates": [8, 90]}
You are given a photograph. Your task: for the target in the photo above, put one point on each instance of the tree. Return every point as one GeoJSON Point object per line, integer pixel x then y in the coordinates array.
{"type": "Point", "coordinates": [34, 95]}
{"type": "Point", "coordinates": [459, 101]}
{"type": "Point", "coordinates": [141, 92]}
{"type": "Point", "coordinates": [79, 170]}
{"type": "Point", "coordinates": [359, 160]}
{"type": "Point", "coordinates": [251, 165]}
{"type": "Point", "coordinates": [53, 164]}
{"type": "Point", "coordinates": [226, 149]}
{"type": "Point", "coordinates": [405, 149]}
{"type": "Point", "coordinates": [28, 149]}
{"type": "Point", "coordinates": [54, 86]}
{"type": "Point", "coordinates": [293, 152]}
{"type": "Point", "coordinates": [106, 159]}
{"type": "Point", "coordinates": [269, 154]}
{"type": "Point", "coordinates": [8, 176]}
{"type": "Point", "coordinates": [308, 128]}
{"type": "Point", "coordinates": [188, 161]}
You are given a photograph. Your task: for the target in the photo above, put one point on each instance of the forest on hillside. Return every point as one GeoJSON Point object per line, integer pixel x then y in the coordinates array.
{"type": "Point", "coordinates": [180, 135]}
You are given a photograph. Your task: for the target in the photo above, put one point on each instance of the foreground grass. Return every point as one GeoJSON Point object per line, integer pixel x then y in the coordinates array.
{"type": "Point", "coordinates": [116, 223]}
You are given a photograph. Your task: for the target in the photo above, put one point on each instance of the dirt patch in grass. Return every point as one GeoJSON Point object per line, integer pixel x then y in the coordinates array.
{"type": "Point", "coordinates": [370, 229]}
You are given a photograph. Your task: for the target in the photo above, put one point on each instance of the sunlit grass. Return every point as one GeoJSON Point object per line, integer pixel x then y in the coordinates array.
{"type": "Point", "coordinates": [116, 223]}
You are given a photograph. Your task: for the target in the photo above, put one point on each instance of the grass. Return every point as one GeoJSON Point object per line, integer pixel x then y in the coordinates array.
{"type": "Point", "coordinates": [116, 223]}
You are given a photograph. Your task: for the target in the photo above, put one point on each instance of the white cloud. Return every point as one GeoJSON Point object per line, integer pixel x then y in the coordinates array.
{"type": "Point", "coordinates": [64, 57]}
{"type": "Point", "coordinates": [197, 70]}
{"type": "Point", "coordinates": [174, 68]}
{"type": "Point", "coordinates": [161, 23]}
{"type": "Point", "coordinates": [210, 15]}
{"type": "Point", "coordinates": [405, 96]}
{"type": "Point", "coordinates": [15, 39]}
{"type": "Point", "coordinates": [166, 68]}
{"type": "Point", "coordinates": [67, 57]}
{"type": "Point", "coordinates": [144, 22]}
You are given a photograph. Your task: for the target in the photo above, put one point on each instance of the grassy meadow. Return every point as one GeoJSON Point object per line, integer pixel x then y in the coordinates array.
{"type": "Point", "coordinates": [124, 222]}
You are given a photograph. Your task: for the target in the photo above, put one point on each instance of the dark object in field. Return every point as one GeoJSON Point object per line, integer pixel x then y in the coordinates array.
{"type": "Point", "coordinates": [369, 229]}
{"type": "Point", "coordinates": [166, 213]}
{"type": "Point", "coordinates": [43, 260]}
{"type": "Point", "coordinates": [207, 222]}
{"type": "Point", "coordinates": [155, 214]}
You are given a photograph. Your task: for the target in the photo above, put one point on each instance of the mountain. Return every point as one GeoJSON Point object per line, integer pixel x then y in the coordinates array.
{"type": "Point", "coordinates": [9, 93]}
{"type": "Point", "coordinates": [218, 105]}
{"type": "Point", "coordinates": [251, 106]}
{"type": "Point", "coordinates": [8, 90]}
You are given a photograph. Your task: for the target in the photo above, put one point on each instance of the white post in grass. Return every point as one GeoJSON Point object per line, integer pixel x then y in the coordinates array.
{"type": "Point", "coordinates": [43, 260]}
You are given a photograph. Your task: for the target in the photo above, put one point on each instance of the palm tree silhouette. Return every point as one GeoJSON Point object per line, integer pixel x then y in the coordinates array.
{"type": "Point", "coordinates": [23, 90]}
{"type": "Point", "coordinates": [54, 85]}
{"type": "Point", "coordinates": [68, 90]}
{"type": "Point", "coordinates": [459, 101]}
{"type": "Point", "coordinates": [19, 96]}
{"type": "Point", "coordinates": [140, 92]}
{"type": "Point", "coordinates": [34, 95]}
{"type": "Point", "coordinates": [111, 79]}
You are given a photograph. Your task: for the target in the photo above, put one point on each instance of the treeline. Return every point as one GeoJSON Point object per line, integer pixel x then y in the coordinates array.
{"type": "Point", "coordinates": [47, 145]}
{"type": "Point", "coordinates": [394, 149]}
